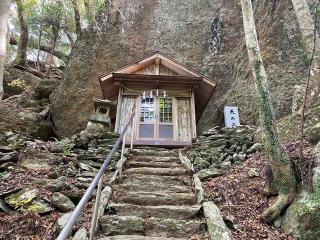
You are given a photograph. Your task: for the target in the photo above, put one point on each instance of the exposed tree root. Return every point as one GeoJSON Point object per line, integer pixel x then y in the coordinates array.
{"type": "Point", "coordinates": [274, 211]}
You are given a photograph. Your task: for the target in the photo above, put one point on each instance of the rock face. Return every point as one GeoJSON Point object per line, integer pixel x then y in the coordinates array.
{"type": "Point", "coordinates": [22, 114]}
{"type": "Point", "coordinates": [17, 81]}
{"type": "Point", "coordinates": [204, 35]}
{"type": "Point", "coordinates": [25, 107]}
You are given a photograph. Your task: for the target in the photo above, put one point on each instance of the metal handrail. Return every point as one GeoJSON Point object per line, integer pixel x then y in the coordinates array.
{"type": "Point", "coordinates": [84, 200]}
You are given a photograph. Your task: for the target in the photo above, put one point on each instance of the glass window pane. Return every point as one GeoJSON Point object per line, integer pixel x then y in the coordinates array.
{"type": "Point", "coordinates": [166, 131]}
{"type": "Point", "coordinates": [146, 130]}
{"type": "Point", "coordinates": [147, 109]}
{"type": "Point", "coordinates": [165, 113]}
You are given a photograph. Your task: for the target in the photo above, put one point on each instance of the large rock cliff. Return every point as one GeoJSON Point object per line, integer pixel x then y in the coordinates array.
{"type": "Point", "coordinates": [205, 35]}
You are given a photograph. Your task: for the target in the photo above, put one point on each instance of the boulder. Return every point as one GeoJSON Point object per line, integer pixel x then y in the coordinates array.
{"type": "Point", "coordinates": [62, 221]}
{"type": "Point", "coordinates": [26, 120]}
{"type": "Point", "coordinates": [216, 226]}
{"type": "Point", "coordinates": [209, 173]}
{"type": "Point", "coordinates": [199, 164]}
{"type": "Point", "coordinates": [22, 198]}
{"type": "Point", "coordinates": [9, 157]}
{"type": "Point", "coordinates": [55, 185]}
{"type": "Point", "coordinates": [35, 165]}
{"type": "Point", "coordinates": [253, 172]}
{"type": "Point", "coordinates": [62, 202]}
{"type": "Point", "coordinates": [45, 87]}
{"type": "Point", "coordinates": [313, 133]}
{"type": "Point", "coordinates": [81, 234]}
{"type": "Point", "coordinates": [6, 166]}
{"type": "Point", "coordinates": [40, 207]}
{"type": "Point", "coordinates": [17, 81]}
{"type": "Point", "coordinates": [5, 208]}
{"type": "Point", "coordinates": [6, 149]}
{"type": "Point", "coordinates": [302, 218]}
{"type": "Point", "coordinates": [255, 147]}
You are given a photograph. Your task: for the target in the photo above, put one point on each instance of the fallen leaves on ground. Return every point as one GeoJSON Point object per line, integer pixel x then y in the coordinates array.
{"type": "Point", "coordinates": [242, 199]}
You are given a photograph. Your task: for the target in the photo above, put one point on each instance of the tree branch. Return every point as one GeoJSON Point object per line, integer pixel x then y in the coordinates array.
{"type": "Point", "coordinates": [308, 81]}
{"type": "Point", "coordinates": [33, 44]}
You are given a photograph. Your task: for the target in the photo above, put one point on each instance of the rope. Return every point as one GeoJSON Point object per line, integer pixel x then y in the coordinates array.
{"type": "Point", "coordinates": [147, 90]}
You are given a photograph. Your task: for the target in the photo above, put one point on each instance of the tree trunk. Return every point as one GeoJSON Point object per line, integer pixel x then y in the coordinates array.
{"type": "Point", "coordinates": [306, 23]}
{"type": "Point", "coordinates": [284, 180]}
{"type": "Point", "coordinates": [55, 38]}
{"type": "Point", "coordinates": [24, 35]}
{"type": "Point", "coordinates": [39, 48]}
{"type": "Point", "coordinates": [4, 15]}
{"type": "Point", "coordinates": [77, 18]}
{"type": "Point", "coordinates": [39, 39]}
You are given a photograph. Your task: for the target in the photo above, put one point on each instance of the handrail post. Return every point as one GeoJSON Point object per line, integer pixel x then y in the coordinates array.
{"type": "Point", "coordinates": [133, 126]}
{"type": "Point", "coordinates": [122, 152]}
{"type": "Point", "coordinates": [94, 220]}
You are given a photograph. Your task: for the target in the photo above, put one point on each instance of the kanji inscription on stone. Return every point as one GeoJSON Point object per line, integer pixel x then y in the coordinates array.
{"type": "Point", "coordinates": [231, 116]}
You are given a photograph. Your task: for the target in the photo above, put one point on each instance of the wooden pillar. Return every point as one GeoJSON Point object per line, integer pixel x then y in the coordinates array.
{"type": "Point", "coordinates": [118, 115]}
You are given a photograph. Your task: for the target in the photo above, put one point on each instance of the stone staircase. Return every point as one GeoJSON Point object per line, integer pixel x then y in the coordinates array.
{"type": "Point", "coordinates": [153, 200]}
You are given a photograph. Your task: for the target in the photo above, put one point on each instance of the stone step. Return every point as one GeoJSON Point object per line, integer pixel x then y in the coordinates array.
{"type": "Point", "coordinates": [153, 164]}
{"type": "Point", "coordinates": [136, 237]}
{"type": "Point", "coordinates": [154, 179]}
{"type": "Point", "coordinates": [146, 158]}
{"type": "Point", "coordinates": [157, 171]}
{"type": "Point", "coordinates": [159, 152]}
{"type": "Point", "coordinates": [154, 198]}
{"type": "Point", "coordinates": [168, 227]}
{"type": "Point", "coordinates": [154, 227]}
{"type": "Point", "coordinates": [162, 211]}
{"type": "Point", "coordinates": [150, 186]}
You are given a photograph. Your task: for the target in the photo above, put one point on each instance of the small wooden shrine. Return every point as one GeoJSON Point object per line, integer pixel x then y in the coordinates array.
{"type": "Point", "coordinates": [168, 99]}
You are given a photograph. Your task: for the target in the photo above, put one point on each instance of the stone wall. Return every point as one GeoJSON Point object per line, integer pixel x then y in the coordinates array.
{"type": "Point", "coordinates": [216, 150]}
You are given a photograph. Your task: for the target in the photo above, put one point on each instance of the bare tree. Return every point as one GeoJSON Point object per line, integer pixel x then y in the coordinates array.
{"type": "Point", "coordinates": [284, 180]}
{"type": "Point", "coordinates": [24, 35]}
{"type": "Point", "coordinates": [306, 23]}
{"type": "Point", "coordinates": [39, 38]}
{"type": "Point", "coordinates": [4, 15]}
{"type": "Point", "coordinates": [311, 74]}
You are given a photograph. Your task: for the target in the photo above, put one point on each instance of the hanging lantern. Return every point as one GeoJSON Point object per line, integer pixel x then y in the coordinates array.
{"type": "Point", "coordinates": [164, 94]}
{"type": "Point", "coordinates": [151, 94]}
{"type": "Point", "coordinates": [157, 92]}
{"type": "Point", "coordinates": [144, 95]}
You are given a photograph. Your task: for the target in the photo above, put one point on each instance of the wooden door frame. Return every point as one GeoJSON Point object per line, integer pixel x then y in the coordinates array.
{"type": "Point", "coordinates": [138, 114]}
{"type": "Point", "coordinates": [168, 124]}
{"type": "Point", "coordinates": [156, 122]}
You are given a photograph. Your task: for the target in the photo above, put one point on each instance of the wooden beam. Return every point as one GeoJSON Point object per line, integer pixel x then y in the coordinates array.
{"type": "Point", "coordinates": [158, 66]}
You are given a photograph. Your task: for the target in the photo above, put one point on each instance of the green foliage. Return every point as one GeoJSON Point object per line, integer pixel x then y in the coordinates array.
{"type": "Point", "coordinates": [304, 59]}
{"type": "Point", "coordinates": [65, 145]}
{"type": "Point", "coordinates": [19, 83]}
{"type": "Point", "coordinates": [2, 174]}
{"type": "Point", "coordinates": [308, 203]}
